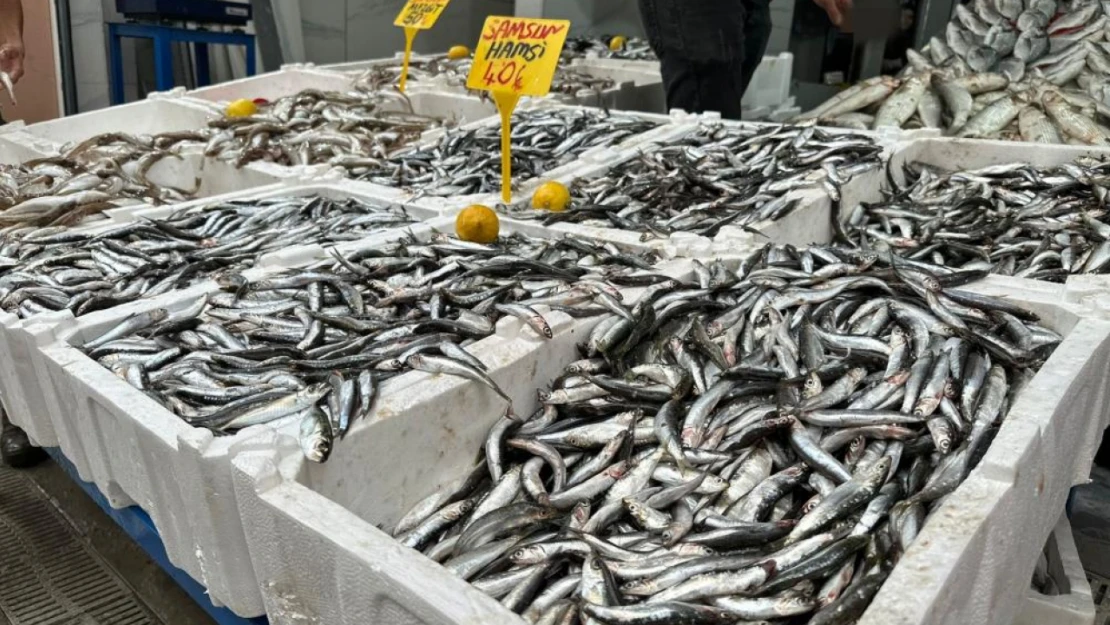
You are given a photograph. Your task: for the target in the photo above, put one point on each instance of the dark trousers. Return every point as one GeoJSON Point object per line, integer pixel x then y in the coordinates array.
{"type": "Point", "coordinates": [708, 50]}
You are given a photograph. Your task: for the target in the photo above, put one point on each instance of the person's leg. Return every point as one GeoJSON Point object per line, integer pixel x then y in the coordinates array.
{"type": "Point", "coordinates": [680, 84]}
{"type": "Point", "coordinates": [757, 32]}
{"type": "Point", "coordinates": [699, 45]}
{"type": "Point", "coordinates": [719, 88]}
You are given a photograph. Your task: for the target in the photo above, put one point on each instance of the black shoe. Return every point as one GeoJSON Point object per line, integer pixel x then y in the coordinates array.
{"type": "Point", "coordinates": [16, 449]}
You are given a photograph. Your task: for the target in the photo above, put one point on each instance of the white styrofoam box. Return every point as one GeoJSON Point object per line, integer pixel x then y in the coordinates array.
{"type": "Point", "coordinates": [1073, 604]}
{"type": "Point", "coordinates": [358, 67]}
{"type": "Point", "coordinates": [273, 85]}
{"type": "Point", "coordinates": [972, 561]}
{"type": "Point", "coordinates": [810, 222]}
{"type": "Point", "coordinates": [17, 147]}
{"type": "Point", "coordinates": [319, 554]}
{"type": "Point", "coordinates": [142, 117]}
{"type": "Point", "coordinates": [137, 451]}
{"type": "Point", "coordinates": [634, 90]}
{"type": "Point", "coordinates": [639, 89]}
{"type": "Point", "coordinates": [203, 177]}
{"type": "Point", "coordinates": [293, 187]}
{"type": "Point", "coordinates": [770, 85]}
{"type": "Point", "coordinates": [20, 386]}
{"type": "Point", "coordinates": [950, 154]}
{"type": "Point", "coordinates": [624, 64]}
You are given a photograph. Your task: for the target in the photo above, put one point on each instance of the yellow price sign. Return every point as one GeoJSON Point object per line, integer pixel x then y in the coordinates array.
{"type": "Point", "coordinates": [416, 15]}
{"type": "Point", "coordinates": [515, 56]}
{"type": "Point", "coordinates": [420, 14]}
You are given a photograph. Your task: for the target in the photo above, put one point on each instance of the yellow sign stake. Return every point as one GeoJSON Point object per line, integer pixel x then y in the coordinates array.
{"type": "Point", "coordinates": [416, 15]}
{"type": "Point", "coordinates": [506, 102]}
{"type": "Point", "coordinates": [515, 56]}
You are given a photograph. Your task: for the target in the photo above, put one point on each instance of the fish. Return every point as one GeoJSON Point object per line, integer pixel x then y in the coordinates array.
{"type": "Point", "coordinates": [636, 555]}
{"type": "Point", "coordinates": [722, 175]}
{"type": "Point", "coordinates": [1036, 127]}
{"type": "Point", "coordinates": [1041, 223]}
{"type": "Point", "coordinates": [6, 80]}
{"type": "Point", "coordinates": [437, 69]}
{"type": "Point", "coordinates": [902, 104]}
{"type": "Point", "coordinates": [467, 160]}
{"type": "Point", "coordinates": [92, 270]}
{"type": "Point", "coordinates": [995, 49]}
{"type": "Point", "coordinates": [316, 342]}
{"type": "Point", "coordinates": [991, 119]}
{"type": "Point", "coordinates": [1071, 122]}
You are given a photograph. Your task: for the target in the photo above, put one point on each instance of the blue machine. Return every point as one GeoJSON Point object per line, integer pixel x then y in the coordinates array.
{"type": "Point", "coordinates": [205, 11]}
{"type": "Point", "coordinates": [162, 11]}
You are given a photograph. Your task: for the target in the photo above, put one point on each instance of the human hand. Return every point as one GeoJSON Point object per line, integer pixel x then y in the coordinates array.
{"type": "Point", "coordinates": [835, 9]}
{"type": "Point", "coordinates": [11, 59]}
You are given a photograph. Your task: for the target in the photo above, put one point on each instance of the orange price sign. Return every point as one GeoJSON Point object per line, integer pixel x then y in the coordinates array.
{"type": "Point", "coordinates": [416, 15]}
{"type": "Point", "coordinates": [516, 56]}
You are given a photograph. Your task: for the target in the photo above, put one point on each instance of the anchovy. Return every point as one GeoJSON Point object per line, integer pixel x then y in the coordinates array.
{"type": "Point", "coordinates": [319, 341]}
{"type": "Point", "coordinates": [720, 176]}
{"type": "Point", "coordinates": [801, 492]}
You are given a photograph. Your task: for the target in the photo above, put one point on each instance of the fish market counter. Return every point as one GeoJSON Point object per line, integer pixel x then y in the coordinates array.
{"type": "Point", "coordinates": [267, 338]}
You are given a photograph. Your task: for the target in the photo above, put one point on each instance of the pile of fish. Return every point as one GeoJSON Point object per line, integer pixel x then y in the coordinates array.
{"type": "Point", "coordinates": [468, 160]}
{"type": "Point", "coordinates": [452, 73]}
{"type": "Point", "coordinates": [1011, 36]}
{"type": "Point", "coordinates": [314, 345]}
{"type": "Point", "coordinates": [386, 75]}
{"type": "Point", "coordinates": [634, 49]}
{"type": "Point", "coordinates": [106, 171]}
{"type": "Point", "coordinates": [994, 77]}
{"type": "Point", "coordinates": [49, 269]}
{"type": "Point", "coordinates": [719, 175]}
{"type": "Point", "coordinates": [353, 130]}
{"type": "Point", "coordinates": [764, 443]}
{"type": "Point", "coordinates": [1015, 219]}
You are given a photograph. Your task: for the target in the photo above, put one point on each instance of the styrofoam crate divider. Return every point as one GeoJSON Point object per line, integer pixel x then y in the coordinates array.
{"type": "Point", "coordinates": [273, 85]}
{"type": "Point", "coordinates": [1074, 604]}
{"type": "Point", "coordinates": [18, 147]}
{"type": "Point", "coordinates": [149, 116]}
{"type": "Point", "coordinates": [314, 528]}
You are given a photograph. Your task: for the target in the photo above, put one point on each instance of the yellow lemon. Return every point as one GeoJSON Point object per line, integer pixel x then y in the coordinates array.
{"type": "Point", "coordinates": [458, 52]}
{"type": "Point", "coordinates": [478, 224]}
{"type": "Point", "coordinates": [241, 108]}
{"type": "Point", "coordinates": [552, 196]}
{"type": "Point", "coordinates": [617, 43]}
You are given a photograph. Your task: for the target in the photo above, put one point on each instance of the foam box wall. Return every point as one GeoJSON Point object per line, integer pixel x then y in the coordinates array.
{"type": "Point", "coordinates": [1074, 605]}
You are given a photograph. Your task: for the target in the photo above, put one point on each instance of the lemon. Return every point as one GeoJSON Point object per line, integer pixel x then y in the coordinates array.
{"type": "Point", "coordinates": [241, 108]}
{"type": "Point", "coordinates": [552, 196]}
{"type": "Point", "coordinates": [617, 43]}
{"type": "Point", "coordinates": [458, 52]}
{"type": "Point", "coordinates": [478, 224]}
